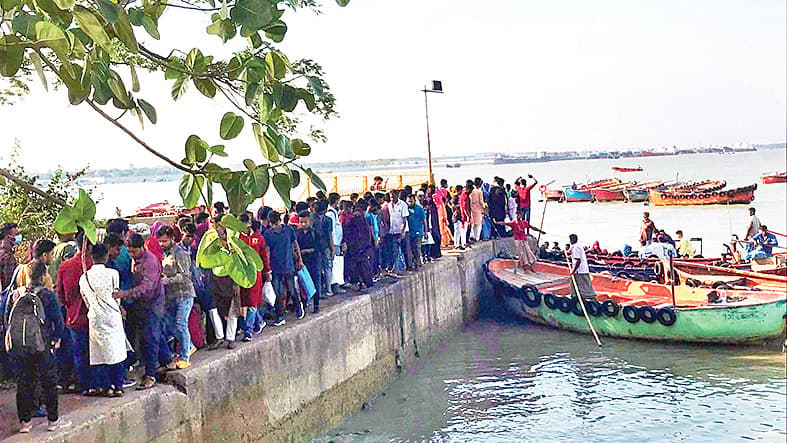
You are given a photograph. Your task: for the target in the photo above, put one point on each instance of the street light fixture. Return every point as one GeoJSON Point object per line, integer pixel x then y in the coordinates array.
{"type": "Point", "coordinates": [437, 87]}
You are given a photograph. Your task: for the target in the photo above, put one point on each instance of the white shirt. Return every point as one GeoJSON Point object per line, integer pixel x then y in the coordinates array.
{"type": "Point", "coordinates": [754, 227]}
{"type": "Point", "coordinates": [579, 260]}
{"type": "Point", "coordinates": [336, 232]}
{"type": "Point", "coordinates": [399, 213]}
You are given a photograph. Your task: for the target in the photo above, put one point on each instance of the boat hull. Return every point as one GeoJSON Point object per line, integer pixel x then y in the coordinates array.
{"type": "Point", "coordinates": [575, 195]}
{"type": "Point", "coordinates": [733, 196]}
{"type": "Point", "coordinates": [603, 195]}
{"type": "Point", "coordinates": [637, 195]}
{"type": "Point", "coordinates": [771, 179]}
{"type": "Point", "coordinates": [721, 323]}
{"type": "Point", "coordinates": [619, 169]}
{"type": "Point", "coordinates": [553, 194]}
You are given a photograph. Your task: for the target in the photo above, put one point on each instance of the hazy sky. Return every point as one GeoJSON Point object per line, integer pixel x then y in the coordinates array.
{"type": "Point", "coordinates": [518, 76]}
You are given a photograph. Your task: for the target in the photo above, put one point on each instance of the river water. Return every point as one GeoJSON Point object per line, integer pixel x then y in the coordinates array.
{"type": "Point", "coordinates": [504, 380]}
{"type": "Point", "coordinates": [613, 224]}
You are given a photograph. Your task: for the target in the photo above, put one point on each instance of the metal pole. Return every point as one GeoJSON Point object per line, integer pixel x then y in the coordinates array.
{"type": "Point", "coordinates": [428, 141]}
{"type": "Point", "coordinates": [671, 281]}
{"type": "Point", "coordinates": [579, 298]}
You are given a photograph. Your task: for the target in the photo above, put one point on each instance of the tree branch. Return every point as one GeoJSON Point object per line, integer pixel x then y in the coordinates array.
{"type": "Point", "coordinates": [30, 188]}
{"type": "Point", "coordinates": [137, 139]}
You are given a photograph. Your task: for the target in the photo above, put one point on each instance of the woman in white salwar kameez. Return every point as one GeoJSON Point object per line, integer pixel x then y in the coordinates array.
{"type": "Point", "coordinates": [105, 325]}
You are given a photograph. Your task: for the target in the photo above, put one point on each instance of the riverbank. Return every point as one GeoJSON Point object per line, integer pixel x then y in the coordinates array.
{"type": "Point", "coordinates": [293, 382]}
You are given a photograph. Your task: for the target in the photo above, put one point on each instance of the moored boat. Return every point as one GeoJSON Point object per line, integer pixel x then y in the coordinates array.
{"type": "Point", "coordinates": [743, 195]}
{"type": "Point", "coordinates": [768, 179]}
{"type": "Point", "coordinates": [577, 195]}
{"type": "Point", "coordinates": [639, 310]}
{"type": "Point", "coordinates": [635, 195]}
{"type": "Point", "coordinates": [622, 169]}
{"type": "Point", "coordinates": [607, 195]}
{"type": "Point", "coordinates": [553, 194]}
{"type": "Point", "coordinates": [698, 274]}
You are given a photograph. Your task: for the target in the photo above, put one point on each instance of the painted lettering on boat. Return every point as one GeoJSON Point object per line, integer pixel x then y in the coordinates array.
{"type": "Point", "coordinates": [740, 314]}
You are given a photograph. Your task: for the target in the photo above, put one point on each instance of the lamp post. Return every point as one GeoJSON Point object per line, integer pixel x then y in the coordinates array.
{"type": "Point", "coordinates": [437, 87]}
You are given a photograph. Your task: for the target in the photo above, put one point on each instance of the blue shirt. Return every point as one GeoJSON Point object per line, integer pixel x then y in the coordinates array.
{"type": "Point", "coordinates": [372, 220]}
{"type": "Point", "coordinates": [765, 243]}
{"type": "Point", "coordinates": [122, 264]}
{"type": "Point", "coordinates": [416, 220]}
{"type": "Point", "coordinates": [280, 246]}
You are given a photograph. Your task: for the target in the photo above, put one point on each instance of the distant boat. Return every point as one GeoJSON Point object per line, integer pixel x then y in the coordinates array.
{"type": "Point", "coordinates": [768, 179]}
{"type": "Point", "coordinates": [666, 197]}
{"type": "Point", "coordinates": [453, 165]}
{"type": "Point", "coordinates": [622, 169]}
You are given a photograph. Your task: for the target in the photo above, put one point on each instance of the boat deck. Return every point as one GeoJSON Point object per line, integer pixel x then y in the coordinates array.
{"type": "Point", "coordinates": [538, 279]}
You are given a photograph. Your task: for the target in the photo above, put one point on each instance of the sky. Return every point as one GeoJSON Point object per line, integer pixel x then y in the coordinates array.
{"type": "Point", "coordinates": [518, 76]}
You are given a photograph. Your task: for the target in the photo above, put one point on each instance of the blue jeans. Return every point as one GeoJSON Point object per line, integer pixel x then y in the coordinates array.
{"type": "Point", "coordinates": [154, 344]}
{"type": "Point", "coordinates": [251, 320]}
{"type": "Point", "coordinates": [327, 272]}
{"type": "Point", "coordinates": [178, 310]}
{"type": "Point", "coordinates": [394, 249]}
{"type": "Point", "coordinates": [80, 342]}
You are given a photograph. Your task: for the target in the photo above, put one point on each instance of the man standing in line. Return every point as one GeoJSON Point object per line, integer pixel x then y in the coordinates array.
{"type": "Point", "coordinates": [581, 284]}
{"type": "Point", "coordinates": [251, 298]}
{"type": "Point", "coordinates": [148, 293]}
{"type": "Point", "coordinates": [398, 213]}
{"type": "Point", "coordinates": [284, 253]}
{"type": "Point", "coordinates": [476, 209]}
{"type": "Point", "coordinates": [9, 238]}
{"type": "Point", "coordinates": [336, 239]}
{"type": "Point", "coordinates": [417, 220]}
{"type": "Point", "coordinates": [647, 228]}
{"type": "Point", "coordinates": [497, 207]}
{"type": "Point", "coordinates": [523, 194]}
{"type": "Point", "coordinates": [179, 294]}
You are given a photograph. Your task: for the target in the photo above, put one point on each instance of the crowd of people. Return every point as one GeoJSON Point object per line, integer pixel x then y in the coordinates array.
{"type": "Point", "coordinates": [82, 317]}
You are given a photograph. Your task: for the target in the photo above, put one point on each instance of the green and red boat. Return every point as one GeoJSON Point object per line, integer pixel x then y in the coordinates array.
{"type": "Point", "coordinates": [640, 310]}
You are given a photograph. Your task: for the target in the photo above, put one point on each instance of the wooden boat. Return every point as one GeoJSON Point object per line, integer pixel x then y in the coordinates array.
{"type": "Point", "coordinates": [701, 186]}
{"type": "Point", "coordinates": [635, 195]}
{"type": "Point", "coordinates": [608, 195]}
{"type": "Point", "coordinates": [774, 178]}
{"type": "Point", "coordinates": [743, 195]}
{"type": "Point", "coordinates": [599, 184]}
{"type": "Point", "coordinates": [164, 209]}
{"type": "Point", "coordinates": [577, 195]}
{"type": "Point", "coordinates": [622, 169]}
{"type": "Point", "coordinates": [553, 194]}
{"type": "Point", "coordinates": [639, 310]}
{"type": "Point", "coordinates": [706, 275]}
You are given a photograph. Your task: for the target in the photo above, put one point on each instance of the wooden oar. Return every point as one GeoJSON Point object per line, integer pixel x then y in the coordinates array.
{"type": "Point", "coordinates": [541, 226]}
{"type": "Point", "coordinates": [579, 297]}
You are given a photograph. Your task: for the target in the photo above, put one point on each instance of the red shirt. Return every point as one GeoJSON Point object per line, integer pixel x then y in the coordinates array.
{"type": "Point", "coordinates": [464, 207]}
{"type": "Point", "coordinates": [253, 295]}
{"type": "Point", "coordinates": [68, 291]}
{"type": "Point", "coordinates": [523, 194]}
{"type": "Point", "coordinates": [520, 229]}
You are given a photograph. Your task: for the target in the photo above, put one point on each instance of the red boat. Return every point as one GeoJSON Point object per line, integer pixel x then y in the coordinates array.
{"type": "Point", "coordinates": [553, 194]}
{"type": "Point", "coordinates": [607, 195]}
{"type": "Point", "coordinates": [621, 169]}
{"type": "Point", "coordinates": [165, 209]}
{"type": "Point", "coordinates": [774, 178]}
{"type": "Point", "coordinates": [743, 195]}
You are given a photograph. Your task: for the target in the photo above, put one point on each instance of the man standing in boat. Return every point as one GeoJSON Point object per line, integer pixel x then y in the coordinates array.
{"type": "Point", "coordinates": [581, 284]}
{"type": "Point", "coordinates": [754, 225]}
{"type": "Point", "coordinates": [647, 228]}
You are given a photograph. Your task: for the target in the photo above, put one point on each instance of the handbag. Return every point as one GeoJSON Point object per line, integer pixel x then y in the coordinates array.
{"type": "Point", "coordinates": [306, 283]}
{"type": "Point", "coordinates": [338, 270]}
{"type": "Point", "coordinates": [268, 293]}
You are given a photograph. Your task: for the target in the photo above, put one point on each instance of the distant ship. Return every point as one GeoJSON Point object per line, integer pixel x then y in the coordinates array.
{"type": "Point", "coordinates": [453, 165]}
{"type": "Point", "coordinates": [508, 159]}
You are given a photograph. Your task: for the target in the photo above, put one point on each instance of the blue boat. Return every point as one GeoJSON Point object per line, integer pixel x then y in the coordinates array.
{"type": "Point", "coordinates": [575, 195]}
{"type": "Point", "coordinates": [636, 195]}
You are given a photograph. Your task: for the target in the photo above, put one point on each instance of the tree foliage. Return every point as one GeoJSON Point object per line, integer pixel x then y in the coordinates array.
{"type": "Point", "coordinates": [95, 48]}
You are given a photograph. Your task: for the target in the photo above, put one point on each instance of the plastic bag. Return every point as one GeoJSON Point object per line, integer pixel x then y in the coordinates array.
{"type": "Point", "coordinates": [429, 239]}
{"type": "Point", "coordinates": [268, 293]}
{"type": "Point", "coordinates": [338, 270]}
{"type": "Point", "coordinates": [306, 283]}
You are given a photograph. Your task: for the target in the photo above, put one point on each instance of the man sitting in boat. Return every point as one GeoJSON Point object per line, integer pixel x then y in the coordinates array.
{"type": "Point", "coordinates": [655, 249]}
{"type": "Point", "coordinates": [685, 248]}
{"type": "Point", "coordinates": [763, 243]}
{"type": "Point", "coordinates": [580, 282]}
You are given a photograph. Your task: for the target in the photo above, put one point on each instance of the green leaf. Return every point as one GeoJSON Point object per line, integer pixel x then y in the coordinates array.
{"type": "Point", "coordinates": [93, 28]}
{"type": "Point", "coordinates": [211, 253]}
{"type": "Point", "coordinates": [255, 181]}
{"type": "Point", "coordinates": [151, 26]}
{"type": "Point", "coordinates": [229, 221]}
{"type": "Point", "coordinates": [12, 54]}
{"type": "Point", "coordinates": [217, 150]}
{"type": "Point", "coordinates": [90, 230]}
{"type": "Point", "coordinates": [64, 4]}
{"type": "Point", "coordinates": [295, 178]}
{"type": "Point", "coordinates": [251, 93]}
{"type": "Point", "coordinates": [307, 97]}
{"type": "Point", "coordinates": [124, 31]}
{"type": "Point", "coordinates": [252, 14]}
{"type": "Point", "coordinates": [277, 64]}
{"type": "Point", "coordinates": [267, 146]}
{"type": "Point", "coordinates": [25, 24]}
{"type": "Point", "coordinates": [223, 28]}
{"type": "Point", "coordinates": [223, 12]}
{"type": "Point", "coordinates": [189, 190]}
{"type": "Point", "coordinates": [52, 36]}
{"type": "Point", "coordinates": [276, 30]}
{"type": "Point", "coordinates": [231, 126]}
{"type": "Point", "coordinates": [84, 207]}
{"type": "Point", "coordinates": [342, 3]}
{"type": "Point", "coordinates": [282, 184]}
{"type": "Point", "coordinates": [180, 86]}
{"type": "Point", "coordinates": [108, 10]}
{"type": "Point", "coordinates": [118, 88]}
{"type": "Point", "coordinates": [315, 179]}
{"type": "Point", "coordinates": [283, 146]}
{"type": "Point", "coordinates": [196, 150]}
{"type": "Point", "coordinates": [236, 195]}
{"type": "Point", "coordinates": [134, 78]}
{"type": "Point", "coordinates": [285, 97]}
{"type": "Point", "coordinates": [301, 148]}
{"type": "Point", "coordinates": [148, 109]}
{"type": "Point", "coordinates": [9, 5]}
{"type": "Point", "coordinates": [316, 85]}
{"type": "Point", "coordinates": [205, 86]}
{"type": "Point", "coordinates": [39, 69]}
{"type": "Point", "coordinates": [64, 223]}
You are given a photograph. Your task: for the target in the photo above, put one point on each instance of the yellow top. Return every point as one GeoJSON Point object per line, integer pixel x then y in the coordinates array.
{"type": "Point", "coordinates": [685, 249]}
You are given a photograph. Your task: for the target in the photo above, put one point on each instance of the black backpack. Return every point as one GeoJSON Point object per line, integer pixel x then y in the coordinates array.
{"type": "Point", "coordinates": [25, 323]}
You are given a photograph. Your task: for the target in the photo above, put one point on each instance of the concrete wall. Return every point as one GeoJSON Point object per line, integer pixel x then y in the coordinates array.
{"type": "Point", "coordinates": [298, 381]}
